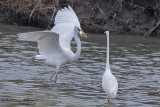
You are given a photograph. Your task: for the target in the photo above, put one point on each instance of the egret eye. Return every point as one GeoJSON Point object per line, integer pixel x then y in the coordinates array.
{"type": "Point", "coordinates": [79, 29]}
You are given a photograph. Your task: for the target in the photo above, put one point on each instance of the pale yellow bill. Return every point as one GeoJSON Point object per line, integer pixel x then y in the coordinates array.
{"type": "Point", "coordinates": [83, 34]}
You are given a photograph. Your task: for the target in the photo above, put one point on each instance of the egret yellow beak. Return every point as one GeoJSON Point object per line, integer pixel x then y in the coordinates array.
{"type": "Point", "coordinates": [83, 34]}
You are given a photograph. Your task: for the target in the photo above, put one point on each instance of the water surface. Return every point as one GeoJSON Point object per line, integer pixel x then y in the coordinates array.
{"type": "Point", "coordinates": [24, 80]}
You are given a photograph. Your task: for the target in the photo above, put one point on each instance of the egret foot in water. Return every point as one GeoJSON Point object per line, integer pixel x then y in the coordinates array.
{"type": "Point", "coordinates": [55, 80]}
{"type": "Point", "coordinates": [109, 100]}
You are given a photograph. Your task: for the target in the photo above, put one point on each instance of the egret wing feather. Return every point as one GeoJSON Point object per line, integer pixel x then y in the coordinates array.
{"type": "Point", "coordinates": [66, 15]}
{"type": "Point", "coordinates": [65, 21]}
{"type": "Point", "coordinates": [48, 42]}
{"type": "Point", "coordinates": [65, 37]}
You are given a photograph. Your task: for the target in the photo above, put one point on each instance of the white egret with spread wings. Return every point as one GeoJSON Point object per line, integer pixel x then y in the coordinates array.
{"type": "Point", "coordinates": [54, 45]}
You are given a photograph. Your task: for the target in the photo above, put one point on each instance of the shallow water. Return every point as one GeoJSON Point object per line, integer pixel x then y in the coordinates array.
{"type": "Point", "coordinates": [24, 80]}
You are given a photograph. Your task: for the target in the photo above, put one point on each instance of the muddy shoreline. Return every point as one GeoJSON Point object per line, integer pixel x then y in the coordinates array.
{"type": "Point", "coordinates": [119, 16]}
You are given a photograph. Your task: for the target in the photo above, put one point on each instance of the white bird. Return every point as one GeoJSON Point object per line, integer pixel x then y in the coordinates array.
{"type": "Point", "coordinates": [109, 82]}
{"type": "Point", "coordinates": [54, 45]}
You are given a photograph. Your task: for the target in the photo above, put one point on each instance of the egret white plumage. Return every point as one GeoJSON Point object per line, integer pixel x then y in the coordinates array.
{"type": "Point", "coordinates": [109, 82]}
{"type": "Point", "coordinates": [54, 45]}
{"type": "Point", "coordinates": [65, 21]}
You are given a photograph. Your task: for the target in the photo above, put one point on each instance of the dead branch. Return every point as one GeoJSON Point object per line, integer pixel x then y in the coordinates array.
{"type": "Point", "coordinates": [151, 30]}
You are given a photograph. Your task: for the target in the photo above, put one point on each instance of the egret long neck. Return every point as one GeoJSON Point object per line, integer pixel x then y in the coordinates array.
{"type": "Point", "coordinates": [78, 42]}
{"type": "Point", "coordinates": [107, 57]}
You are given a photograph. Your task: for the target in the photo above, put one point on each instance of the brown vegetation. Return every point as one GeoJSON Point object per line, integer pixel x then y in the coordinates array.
{"type": "Point", "coordinates": [140, 17]}
{"type": "Point", "coordinates": [28, 12]}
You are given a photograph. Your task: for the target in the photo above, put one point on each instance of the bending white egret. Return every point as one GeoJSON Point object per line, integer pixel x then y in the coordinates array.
{"type": "Point", "coordinates": [54, 45]}
{"type": "Point", "coordinates": [109, 82]}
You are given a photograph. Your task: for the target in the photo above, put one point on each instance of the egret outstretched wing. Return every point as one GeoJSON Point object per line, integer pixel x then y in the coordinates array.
{"type": "Point", "coordinates": [48, 42]}
{"type": "Point", "coordinates": [66, 15]}
{"type": "Point", "coordinates": [65, 20]}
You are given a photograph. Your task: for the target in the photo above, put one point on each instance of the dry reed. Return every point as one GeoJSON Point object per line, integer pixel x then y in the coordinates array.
{"type": "Point", "coordinates": [29, 12]}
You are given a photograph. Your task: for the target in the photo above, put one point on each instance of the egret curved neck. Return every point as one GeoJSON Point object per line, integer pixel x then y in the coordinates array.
{"type": "Point", "coordinates": [78, 42]}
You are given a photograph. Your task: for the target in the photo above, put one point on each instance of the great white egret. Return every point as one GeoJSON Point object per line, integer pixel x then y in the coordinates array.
{"type": "Point", "coordinates": [109, 82]}
{"type": "Point", "coordinates": [54, 45]}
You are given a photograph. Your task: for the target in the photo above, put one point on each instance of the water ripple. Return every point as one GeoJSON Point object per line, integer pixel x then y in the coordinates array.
{"type": "Point", "coordinates": [134, 62]}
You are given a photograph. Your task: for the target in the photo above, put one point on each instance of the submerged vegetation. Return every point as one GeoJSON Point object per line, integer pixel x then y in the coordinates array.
{"type": "Point", "coordinates": [141, 17]}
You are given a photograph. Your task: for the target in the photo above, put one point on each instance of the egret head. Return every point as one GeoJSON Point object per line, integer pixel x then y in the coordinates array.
{"type": "Point", "coordinates": [80, 31]}
{"type": "Point", "coordinates": [106, 32]}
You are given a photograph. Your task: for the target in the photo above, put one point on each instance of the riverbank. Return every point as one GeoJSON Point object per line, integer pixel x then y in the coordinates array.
{"type": "Point", "coordinates": [119, 16]}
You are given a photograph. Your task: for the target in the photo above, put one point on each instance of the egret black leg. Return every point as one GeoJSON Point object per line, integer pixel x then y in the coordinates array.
{"type": "Point", "coordinates": [55, 77]}
{"type": "Point", "coordinates": [109, 100]}
{"type": "Point", "coordinates": [55, 73]}
{"type": "Point", "coordinates": [51, 76]}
